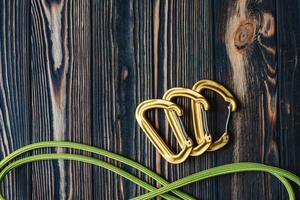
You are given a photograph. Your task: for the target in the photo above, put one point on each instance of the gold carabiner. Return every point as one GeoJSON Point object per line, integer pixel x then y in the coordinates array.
{"type": "Point", "coordinates": [203, 140]}
{"type": "Point", "coordinates": [196, 109]}
{"type": "Point", "coordinates": [152, 134]}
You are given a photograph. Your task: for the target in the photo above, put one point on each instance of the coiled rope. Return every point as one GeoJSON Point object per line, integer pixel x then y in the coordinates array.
{"type": "Point", "coordinates": [167, 191]}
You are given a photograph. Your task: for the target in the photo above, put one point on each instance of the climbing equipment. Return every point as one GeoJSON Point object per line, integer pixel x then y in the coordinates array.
{"type": "Point", "coordinates": [173, 112]}
{"type": "Point", "coordinates": [185, 142]}
{"type": "Point", "coordinates": [204, 141]}
{"type": "Point", "coordinates": [169, 191]}
{"type": "Point", "coordinates": [196, 109]}
{"type": "Point", "coordinates": [11, 162]}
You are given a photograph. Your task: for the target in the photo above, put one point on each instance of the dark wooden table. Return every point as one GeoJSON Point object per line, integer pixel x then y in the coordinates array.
{"type": "Point", "coordinates": [76, 70]}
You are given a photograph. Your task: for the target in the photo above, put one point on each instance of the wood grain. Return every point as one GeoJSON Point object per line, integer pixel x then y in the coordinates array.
{"type": "Point", "coordinates": [15, 124]}
{"type": "Point", "coordinates": [106, 133]}
{"type": "Point", "coordinates": [76, 70]}
{"type": "Point", "coordinates": [61, 86]}
{"type": "Point", "coordinates": [246, 57]}
{"type": "Point", "coordinates": [288, 31]}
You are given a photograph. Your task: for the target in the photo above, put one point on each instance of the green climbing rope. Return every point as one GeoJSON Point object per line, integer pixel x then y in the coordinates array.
{"type": "Point", "coordinates": [95, 150]}
{"type": "Point", "coordinates": [80, 158]}
{"type": "Point", "coordinates": [11, 162]}
{"type": "Point", "coordinates": [281, 174]}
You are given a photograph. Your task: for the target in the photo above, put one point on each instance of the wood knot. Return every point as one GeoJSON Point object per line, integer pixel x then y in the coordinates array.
{"type": "Point", "coordinates": [244, 35]}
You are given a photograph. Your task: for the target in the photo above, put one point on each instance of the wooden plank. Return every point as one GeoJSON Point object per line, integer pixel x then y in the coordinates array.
{"type": "Point", "coordinates": [113, 92]}
{"type": "Point", "coordinates": [89, 67]}
{"type": "Point", "coordinates": [61, 57]}
{"type": "Point", "coordinates": [186, 35]}
{"type": "Point", "coordinates": [15, 91]}
{"type": "Point", "coordinates": [142, 48]}
{"type": "Point", "coordinates": [288, 31]}
{"type": "Point", "coordinates": [245, 57]}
